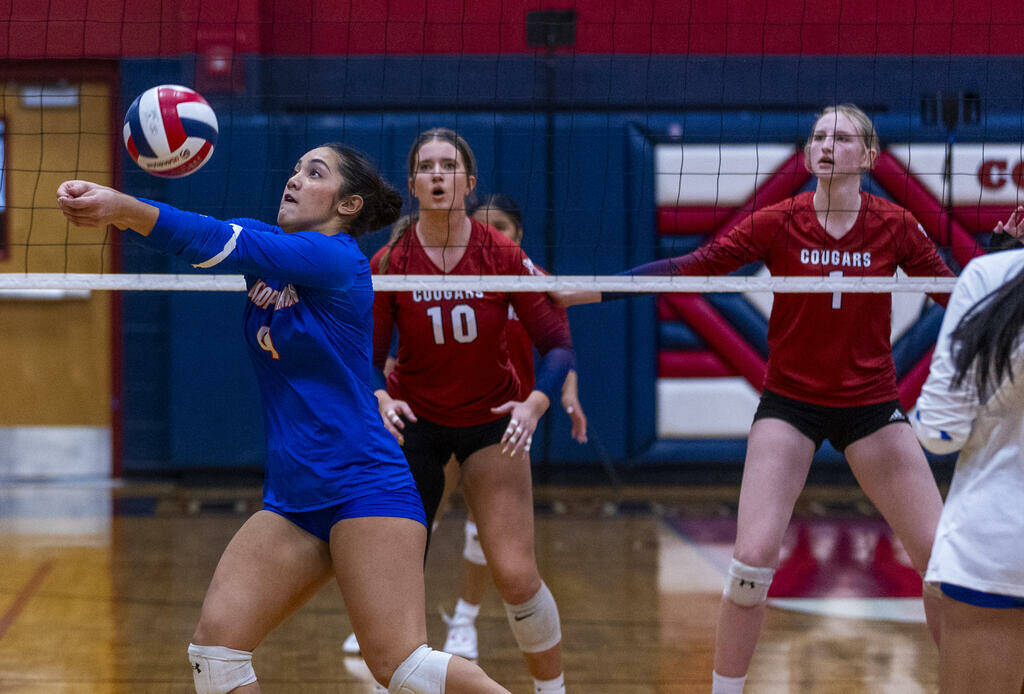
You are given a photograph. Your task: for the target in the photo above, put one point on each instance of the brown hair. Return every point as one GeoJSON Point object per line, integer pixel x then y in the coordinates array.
{"type": "Point", "coordinates": [381, 202]}
{"type": "Point", "coordinates": [405, 223]}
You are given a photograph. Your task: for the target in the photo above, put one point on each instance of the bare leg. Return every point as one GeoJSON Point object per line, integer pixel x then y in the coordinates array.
{"type": "Point", "coordinates": [474, 581]}
{"type": "Point", "coordinates": [268, 570]}
{"type": "Point", "coordinates": [892, 470]}
{"type": "Point", "coordinates": [383, 592]}
{"type": "Point", "coordinates": [452, 475]}
{"type": "Point", "coordinates": [499, 491]}
{"type": "Point", "coordinates": [982, 650]}
{"type": "Point", "coordinates": [778, 459]}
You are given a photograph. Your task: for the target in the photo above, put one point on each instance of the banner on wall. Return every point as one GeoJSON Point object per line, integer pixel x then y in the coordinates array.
{"type": "Point", "coordinates": [702, 189]}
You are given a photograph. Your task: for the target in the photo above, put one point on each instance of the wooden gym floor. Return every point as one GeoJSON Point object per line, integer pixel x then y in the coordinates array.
{"type": "Point", "coordinates": [101, 584]}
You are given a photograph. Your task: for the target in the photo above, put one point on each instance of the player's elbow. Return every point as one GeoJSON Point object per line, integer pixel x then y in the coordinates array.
{"type": "Point", "coordinates": [935, 439]}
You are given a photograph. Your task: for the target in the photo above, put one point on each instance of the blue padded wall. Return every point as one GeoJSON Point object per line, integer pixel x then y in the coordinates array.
{"type": "Point", "coordinates": [189, 396]}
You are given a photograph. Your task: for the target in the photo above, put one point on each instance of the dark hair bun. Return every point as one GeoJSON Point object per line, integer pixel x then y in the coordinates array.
{"type": "Point", "coordinates": [385, 208]}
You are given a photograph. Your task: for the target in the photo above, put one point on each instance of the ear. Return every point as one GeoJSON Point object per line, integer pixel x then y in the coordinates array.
{"type": "Point", "coordinates": [412, 186]}
{"type": "Point", "coordinates": [869, 158]}
{"type": "Point", "coordinates": [470, 183]}
{"type": "Point", "coordinates": [350, 205]}
{"type": "Point", "coordinates": [807, 159]}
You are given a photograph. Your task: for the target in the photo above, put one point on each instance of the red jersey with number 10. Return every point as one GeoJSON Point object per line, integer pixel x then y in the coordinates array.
{"type": "Point", "coordinates": [453, 359]}
{"type": "Point", "coordinates": [520, 352]}
{"type": "Point", "coordinates": [826, 349]}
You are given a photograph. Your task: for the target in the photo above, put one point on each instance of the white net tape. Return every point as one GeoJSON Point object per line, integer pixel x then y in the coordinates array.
{"type": "Point", "coordinates": [500, 283]}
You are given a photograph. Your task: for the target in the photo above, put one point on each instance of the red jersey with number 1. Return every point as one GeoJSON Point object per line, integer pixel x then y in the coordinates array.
{"type": "Point", "coordinates": [826, 349]}
{"type": "Point", "coordinates": [453, 361]}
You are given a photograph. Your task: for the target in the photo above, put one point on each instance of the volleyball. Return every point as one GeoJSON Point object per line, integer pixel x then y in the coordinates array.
{"type": "Point", "coordinates": [170, 131]}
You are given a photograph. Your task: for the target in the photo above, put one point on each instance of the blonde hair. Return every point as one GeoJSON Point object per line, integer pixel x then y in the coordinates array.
{"type": "Point", "coordinates": [860, 119]}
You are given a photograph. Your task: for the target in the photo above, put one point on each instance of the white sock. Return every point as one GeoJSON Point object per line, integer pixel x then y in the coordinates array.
{"type": "Point", "coordinates": [465, 612]}
{"type": "Point", "coordinates": [555, 686]}
{"type": "Point", "coordinates": [726, 685]}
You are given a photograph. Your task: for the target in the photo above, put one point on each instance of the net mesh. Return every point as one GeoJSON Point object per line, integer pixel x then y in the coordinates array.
{"type": "Point", "coordinates": [626, 131]}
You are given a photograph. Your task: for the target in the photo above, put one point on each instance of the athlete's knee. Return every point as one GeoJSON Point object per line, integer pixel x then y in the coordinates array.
{"type": "Point", "coordinates": [516, 584]}
{"type": "Point", "coordinates": [423, 672]}
{"type": "Point", "coordinates": [218, 669]}
{"type": "Point", "coordinates": [747, 585]}
{"type": "Point", "coordinates": [535, 623]}
{"type": "Point", "coordinates": [473, 552]}
{"type": "Point", "coordinates": [514, 570]}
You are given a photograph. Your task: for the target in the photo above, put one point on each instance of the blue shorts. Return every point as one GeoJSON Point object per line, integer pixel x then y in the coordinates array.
{"type": "Point", "coordinates": [401, 503]}
{"type": "Point", "coordinates": [979, 598]}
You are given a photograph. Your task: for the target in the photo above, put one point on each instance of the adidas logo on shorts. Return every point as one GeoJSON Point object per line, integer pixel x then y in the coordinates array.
{"type": "Point", "coordinates": [897, 416]}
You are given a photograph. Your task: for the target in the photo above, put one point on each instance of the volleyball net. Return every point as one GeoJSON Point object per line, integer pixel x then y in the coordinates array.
{"type": "Point", "coordinates": [626, 132]}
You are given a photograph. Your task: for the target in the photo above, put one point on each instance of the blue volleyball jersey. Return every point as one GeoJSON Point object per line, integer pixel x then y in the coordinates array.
{"type": "Point", "coordinates": [308, 326]}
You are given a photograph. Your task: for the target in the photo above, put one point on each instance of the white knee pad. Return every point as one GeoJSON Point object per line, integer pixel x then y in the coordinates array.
{"type": "Point", "coordinates": [747, 585]}
{"type": "Point", "coordinates": [473, 552]}
{"type": "Point", "coordinates": [423, 672]}
{"type": "Point", "coordinates": [218, 670]}
{"type": "Point", "coordinates": [535, 622]}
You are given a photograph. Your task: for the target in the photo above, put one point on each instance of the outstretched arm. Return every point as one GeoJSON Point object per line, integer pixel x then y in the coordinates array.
{"type": "Point", "coordinates": [88, 204]}
{"type": "Point", "coordinates": [745, 243]}
{"type": "Point", "coordinates": [305, 258]}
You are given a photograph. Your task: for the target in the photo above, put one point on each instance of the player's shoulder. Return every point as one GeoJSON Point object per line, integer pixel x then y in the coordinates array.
{"type": "Point", "coordinates": [396, 249]}
{"type": "Point", "coordinates": [792, 208]}
{"type": "Point", "coordinates": [800, 202]}
{"type": "Point", "coordinates": [255, 225]}
{"type": "Point", "coordinates": [882, 207]}
{"type": "Point", "coordinates": [502, 254]}
{"type": "Point", "coordinates": [489, 237]}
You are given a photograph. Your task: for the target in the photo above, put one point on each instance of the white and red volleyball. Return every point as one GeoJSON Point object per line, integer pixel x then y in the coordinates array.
{"type": "Point", "coordinates": [170, 131]}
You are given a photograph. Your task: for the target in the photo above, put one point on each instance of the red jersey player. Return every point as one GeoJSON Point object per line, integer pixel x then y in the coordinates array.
{"type": "Point", "coordinates": [453, 389]}
{"type": "Point", "coordinates": [830, 370]}
{"type": "Point", "coordinates": [501, 213]}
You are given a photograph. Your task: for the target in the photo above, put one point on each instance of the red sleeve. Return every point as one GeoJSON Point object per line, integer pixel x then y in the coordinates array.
{"type": "Point", "coordinates": [383, 317]}
{"type": "Point", "coordinates": [520, 352]}
{"type": "Point", "coordinates": [919, 257]}
{"type": "Point", "coordinates": [546, 323]}
{"type": "Point", "coordinates": [746, 242]}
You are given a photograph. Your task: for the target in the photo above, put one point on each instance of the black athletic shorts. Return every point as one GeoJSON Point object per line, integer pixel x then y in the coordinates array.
{"type": "Point", "coordinates": [429, 446]}
{"type": "Point", "coordinates": [840, 425]}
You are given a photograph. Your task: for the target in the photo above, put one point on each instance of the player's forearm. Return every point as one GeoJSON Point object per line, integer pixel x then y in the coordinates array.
{"type": "Point", "coordinates": [538, 402]}
{"type": "Point", "coordinates": [132, 213]}
{"type": "Point", "coordinates": [554, 368]}
{"type": "Point", "coordinates": [569, 387]}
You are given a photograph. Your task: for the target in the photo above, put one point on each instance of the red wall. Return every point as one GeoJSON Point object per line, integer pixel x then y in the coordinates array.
{"type": "Point", "coordinates": [102, 29]}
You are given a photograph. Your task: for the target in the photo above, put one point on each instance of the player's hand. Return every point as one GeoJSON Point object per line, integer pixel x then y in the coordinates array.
{"type": "Point", "coordinates": [392, 412]}
{"type": "Point", "coordinates": [88, 204]}
{"type": "Point", "coordinates": [572, 407]}
{"type": "Point", "coordinates": [518, 437]}
{"type": "Point", "coordinates": [1014, 226]}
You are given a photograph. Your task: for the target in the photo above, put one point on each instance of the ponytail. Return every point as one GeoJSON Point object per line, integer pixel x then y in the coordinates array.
{"type": "Point", "coordinates": [398, 231]}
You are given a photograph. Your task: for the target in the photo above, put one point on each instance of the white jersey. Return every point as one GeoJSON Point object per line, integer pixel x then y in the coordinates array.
{"type": "Point", "coordinates": [979, 543]}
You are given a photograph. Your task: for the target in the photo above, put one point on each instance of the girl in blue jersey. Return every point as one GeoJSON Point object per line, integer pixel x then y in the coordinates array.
{"type": "Point", "coordinates": [339, 499]}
